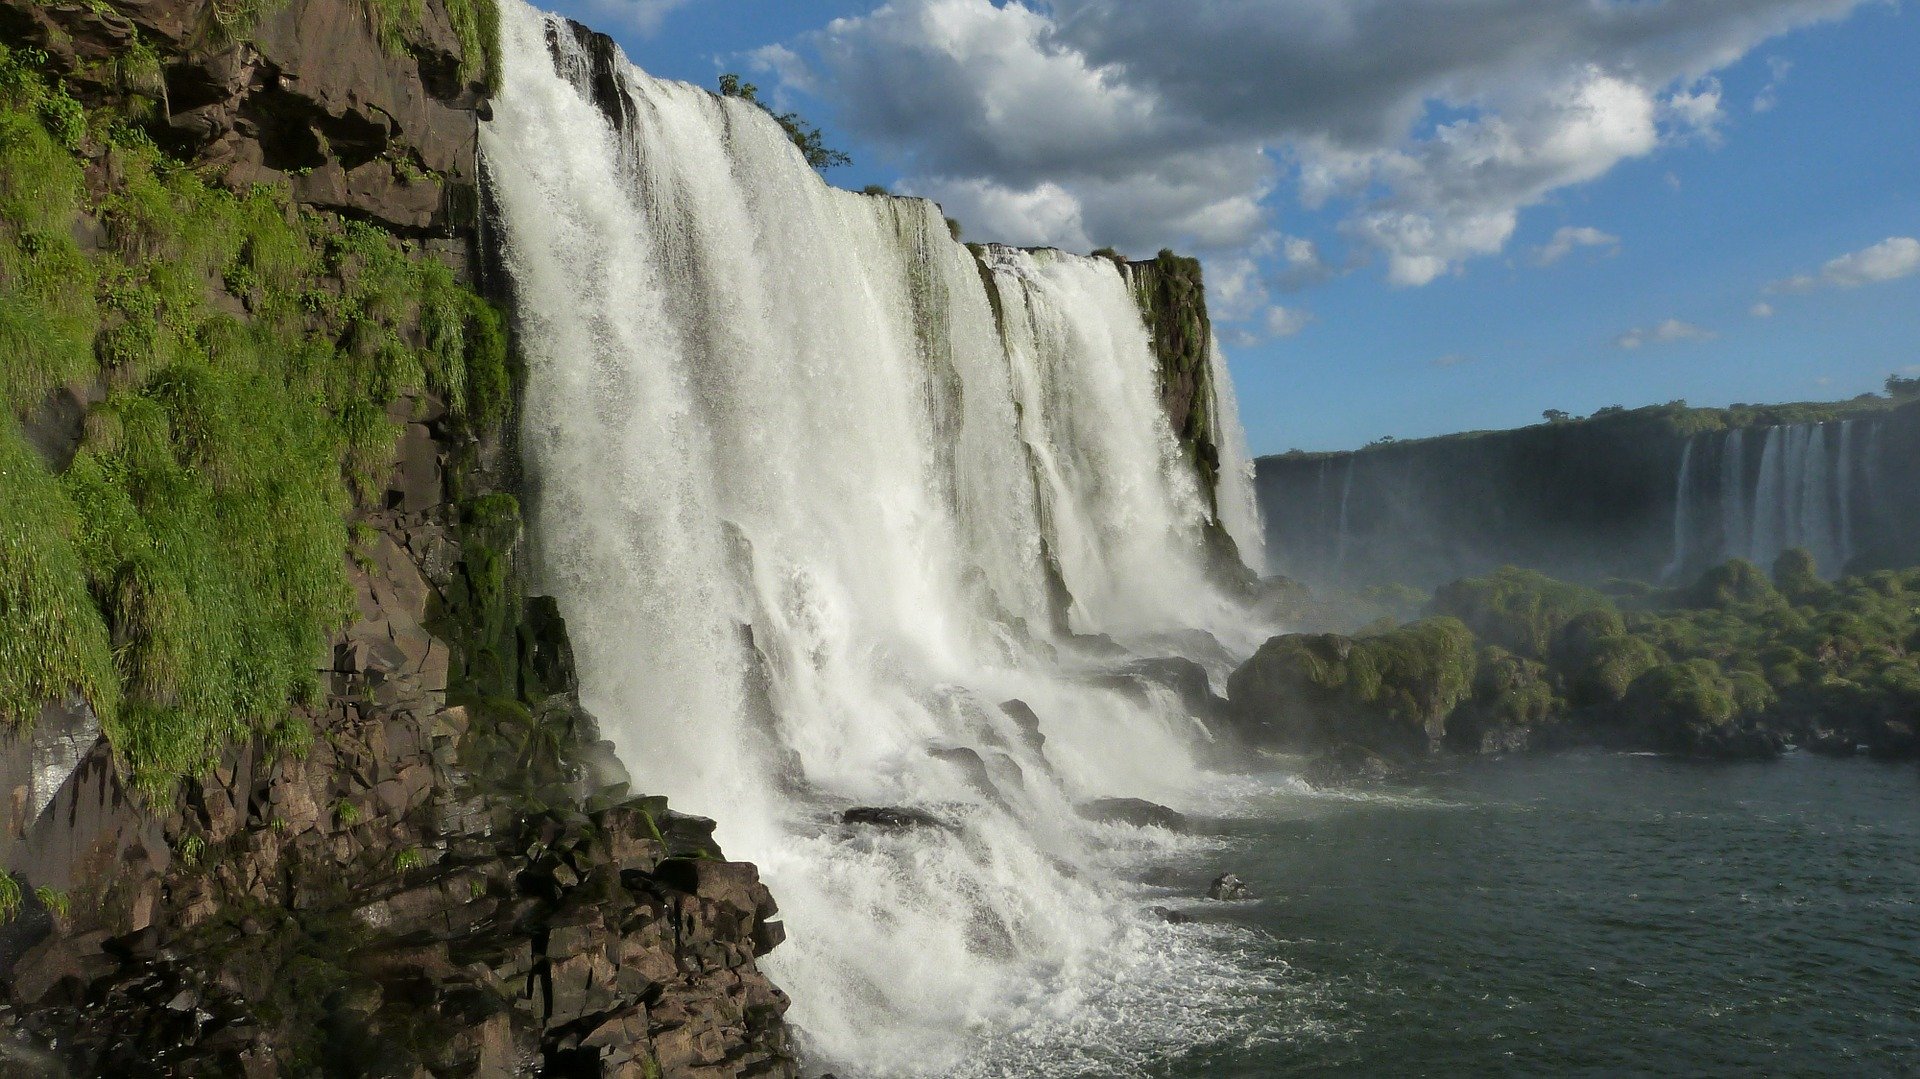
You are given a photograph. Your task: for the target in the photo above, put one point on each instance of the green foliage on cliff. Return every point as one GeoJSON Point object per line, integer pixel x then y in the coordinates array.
{"type": "Point", "coordinates": [54, 641]}
{"type": "Point", "coordinates": [241, 362]}
{"type": "Point", "coordinates": [1730, 664]}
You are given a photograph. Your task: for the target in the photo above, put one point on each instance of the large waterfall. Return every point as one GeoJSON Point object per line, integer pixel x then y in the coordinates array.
{"type": "Point", "coordinates": [1810, 485]}
{"type": "Point", "coordinates": [810, 477]}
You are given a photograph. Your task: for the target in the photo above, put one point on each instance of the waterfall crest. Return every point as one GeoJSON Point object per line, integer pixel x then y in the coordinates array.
{"type": "Point", "coordinates": [809, 478]}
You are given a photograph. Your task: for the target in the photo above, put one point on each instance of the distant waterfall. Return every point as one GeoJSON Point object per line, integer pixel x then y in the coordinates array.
{"type": "Point", "coordinates": [1736, 532]}
{"type": "Point", "coordinates": [808, 476]}
{"type": "Point", "coordinates": [1682, 507]}
{"type": "Point", "coordinates": [1811, 488]}
{"type": "Point", "coordinates": [1346, 501]}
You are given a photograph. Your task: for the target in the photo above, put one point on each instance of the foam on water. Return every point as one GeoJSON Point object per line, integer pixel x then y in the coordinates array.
{"type": "Point", "coordinates": [799, 476]}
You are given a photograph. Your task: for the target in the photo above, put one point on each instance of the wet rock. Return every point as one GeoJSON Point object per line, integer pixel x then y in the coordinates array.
{"type": "Point", "coordinates": [1347, 765]}
{"type": "Point", "coordinates": [1228, 888]}
{"type": "Point", "coordinates": [893, 818]}
{"type": "Point", "coordinates": [1135, 811]}
{"type": "Point", "coordinates": [1170, 915]}
{"type": "Point", "coordinates": [1028, 722]}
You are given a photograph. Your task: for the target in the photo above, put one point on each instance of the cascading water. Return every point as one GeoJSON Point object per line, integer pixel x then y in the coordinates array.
{"type": "Point", "coordinates": [802, 487]}
{"type": "Point", "coordinates": [1682, 515]}
{"type": "Point", "coordinates": [1737, 537]}
{"type": "Point", "coordinates": [1804, 493]}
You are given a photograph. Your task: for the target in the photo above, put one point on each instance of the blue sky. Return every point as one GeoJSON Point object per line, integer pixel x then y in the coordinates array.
{"type": "Point", "coordinates": [1376, 186]}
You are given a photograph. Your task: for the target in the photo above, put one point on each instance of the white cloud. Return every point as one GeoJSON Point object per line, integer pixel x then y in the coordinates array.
{"type": "Point", "coordinates": [1168, 124]}
{"type": "Point", "coordinates": [1666, 333]}
{"type": "Point", "coordinates": [1769, 95]}
{"type": "Point", "coordinates": [642, 16]}
{"type": "Point", "coordinates": [1888, 260]}
{"type": "Point", "coordinates": [1045, 215]}
{"type": "Point", "coordinates": [1761, 310]}
{"type": "Point", "coordinates": [1697, 109]}
{"type": "Point", "coordinates": [1567, 238]}
{"type": "Point", "coordinates": [1286, 321]}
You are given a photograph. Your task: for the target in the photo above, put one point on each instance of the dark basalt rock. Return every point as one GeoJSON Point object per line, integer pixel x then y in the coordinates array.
{"type": "Point", "coordinates": [1135, 811]}
{"type": "Point", "coordinates": [893, 818]}
{"type": "Point", "coordinates": [1228, 889]}
{"type": "Point", "coordinates": [1186, 679]}
{"type": "Point", "coordinates": [1170, 915]}
{"type": "Point", "coordinates": [1024, 718]}
{"type": "Point", "coordinates": [452, 880]}
{"type": "Point", "coordinates": [1347, 765]}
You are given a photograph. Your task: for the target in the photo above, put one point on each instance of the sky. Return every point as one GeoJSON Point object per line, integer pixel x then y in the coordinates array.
{"type": "Point", "coordinates": [1416, 216]}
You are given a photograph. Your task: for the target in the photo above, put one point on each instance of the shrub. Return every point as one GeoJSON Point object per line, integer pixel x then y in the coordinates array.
{"type": "Point", "coordinates": [1517, 609]}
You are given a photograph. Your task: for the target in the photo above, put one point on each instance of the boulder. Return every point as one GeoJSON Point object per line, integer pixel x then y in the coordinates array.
{"type": "Point", "coordinates": [1135, 811]}
{"type": "Point", "coordinates": [893, 818]}
{"type": "Point", "coordinates": [1228, 889]}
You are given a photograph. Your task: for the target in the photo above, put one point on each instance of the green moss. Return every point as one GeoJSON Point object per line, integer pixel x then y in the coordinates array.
{"type": "Point", "coordinates": [1517, 609]}
{"type": "Point", "coordinates": [55, 641]}
{"type": "Point", "coordinates": [187, 570]}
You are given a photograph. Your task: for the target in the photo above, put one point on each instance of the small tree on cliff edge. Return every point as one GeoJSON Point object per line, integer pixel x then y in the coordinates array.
{"type": "Point", "coordinates": [804, 135]}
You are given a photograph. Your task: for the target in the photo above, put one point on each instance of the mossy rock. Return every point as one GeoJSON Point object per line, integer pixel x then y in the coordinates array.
{"type": "Point", "coordinates": [1391, 692]}
{"type": "Point", "coordinates": [1517, 609]}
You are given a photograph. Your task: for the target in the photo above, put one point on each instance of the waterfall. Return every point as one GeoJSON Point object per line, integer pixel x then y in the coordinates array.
{"type": "Point", "coordinates": [802, 487]}
{"type": "Point", "coordinates": [1843, 477]}
{"type": "Point", "coordinates": [1239, 509]}
{"type": "Point", "coordinates": [1768, 519]}
{"type": "Point", "coordinates": [1735, 530]}
{"type": "Point", "coordinates": [1346, 496]}
{"type": "Point", "coordinates": [1682, 497]}
{"type": "Point", "coordinates": [1803, 495]}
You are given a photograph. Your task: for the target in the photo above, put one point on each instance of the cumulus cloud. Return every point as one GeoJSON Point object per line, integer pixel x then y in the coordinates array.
{"type": "Point", "coordinates": [1666, 333]}
{"type": "Point", "coordinates": [1769, 95]}
{"type": "Point", "coordinates": [1888, 260]}
{"type": "Point", "coordinates": [1761, 310]}
{"type": "Point", "coordinates": [1567, 238]}
{"type": "Point", "coordinates": [1430, 125]}
{"type": "Point", "coordinates": [642, 16]}
{"type": "Point", "coordinates": [1286, 321]}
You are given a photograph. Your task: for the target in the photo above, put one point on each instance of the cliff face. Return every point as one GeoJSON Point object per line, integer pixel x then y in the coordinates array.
{"type": "Point", "coordinates": [1652, 494]}
{"type": "Point", "coordinates": [258, 423]}
{"type": "Point", "coordinates": [1173, 299]}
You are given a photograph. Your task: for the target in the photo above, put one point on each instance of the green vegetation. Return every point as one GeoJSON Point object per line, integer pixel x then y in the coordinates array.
{"type": "Point", "coordinates": [10, 897]}
{"type": "Point", "coordinates": [184, 570]}
{"type": "Point", "coordinates": [57, 902]}
{"type": "Point", "coordinates": [806, 138]}
{"type": "Point", "coordinates": [1736, 663]}
{"type": "Point", "coordinates": [1389, 691]}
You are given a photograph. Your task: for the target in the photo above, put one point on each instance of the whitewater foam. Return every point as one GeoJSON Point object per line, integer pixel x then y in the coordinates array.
{"type": "Point", "coordinates": [800, 484]}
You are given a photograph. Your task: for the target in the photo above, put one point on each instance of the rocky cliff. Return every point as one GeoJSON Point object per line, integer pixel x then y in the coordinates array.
{"type": "Point", "coordinates": [299, 783]}
{"type": "Point", "coordinates": [1648, 494]}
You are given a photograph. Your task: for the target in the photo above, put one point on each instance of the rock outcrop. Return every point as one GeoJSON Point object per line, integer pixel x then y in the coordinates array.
{"type": "Point", "coordinates": [449, 877]}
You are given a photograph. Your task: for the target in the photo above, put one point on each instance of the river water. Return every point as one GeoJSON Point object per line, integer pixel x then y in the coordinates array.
{"type": "Point", "coordinates": [1581, 913]}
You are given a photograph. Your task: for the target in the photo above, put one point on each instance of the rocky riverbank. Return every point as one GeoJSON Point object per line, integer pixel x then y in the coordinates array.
{"type": "Point", "coordinates": [420, 860]}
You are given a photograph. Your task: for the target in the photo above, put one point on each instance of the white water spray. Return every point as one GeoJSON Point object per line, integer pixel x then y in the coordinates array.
{"type": "Point", "coordinates": [799, 487]}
